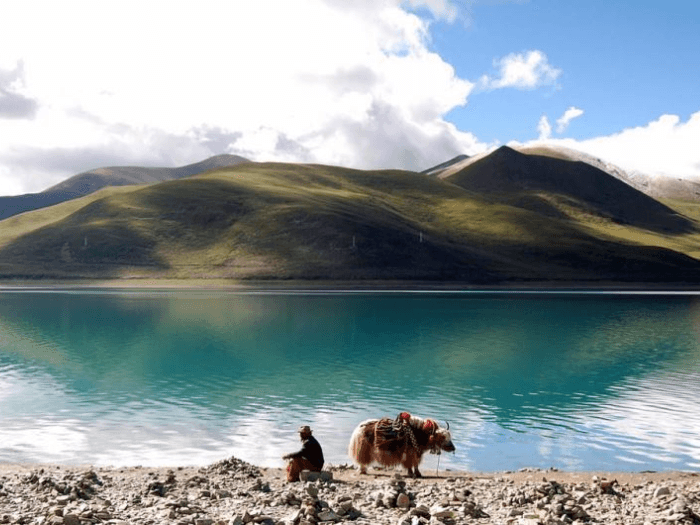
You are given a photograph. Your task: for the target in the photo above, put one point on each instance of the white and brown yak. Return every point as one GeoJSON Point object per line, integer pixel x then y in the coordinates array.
{"type": "Point", "coordinates": [403, 440]}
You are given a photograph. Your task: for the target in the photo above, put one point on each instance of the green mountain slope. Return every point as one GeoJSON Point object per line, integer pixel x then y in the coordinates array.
{"type": "Point", "coordinates": [290, 221]}
{"type": "Point", "coordinates": [658, 186]}
{"type": "Point", "coordinates": [548, 185]}
{"type": "Point", "coordinates": [93, 180]}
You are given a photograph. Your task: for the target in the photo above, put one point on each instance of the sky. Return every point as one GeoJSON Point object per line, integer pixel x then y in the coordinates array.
{"type": "Point", "coordinates": [358, 83]}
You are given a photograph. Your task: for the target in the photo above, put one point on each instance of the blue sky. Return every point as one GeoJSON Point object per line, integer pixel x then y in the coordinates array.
{"type": "Point", "coordinates": [624, 63]}
{"type": "Point", "coordinates": [358, 83]}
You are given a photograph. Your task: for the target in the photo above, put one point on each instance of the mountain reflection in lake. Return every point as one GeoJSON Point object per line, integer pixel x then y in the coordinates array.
{"type": "Point", "coordinates": [575, 381]}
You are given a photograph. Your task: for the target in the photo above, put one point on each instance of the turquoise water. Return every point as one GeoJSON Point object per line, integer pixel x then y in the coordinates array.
{"type": "Point", "coordinates": [573, 381]}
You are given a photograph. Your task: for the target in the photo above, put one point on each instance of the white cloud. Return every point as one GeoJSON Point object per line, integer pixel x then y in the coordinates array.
{"type": "Point", "coordinates": [570, 114]}
{"type": "Point", "coordinates": [521, 71]}
{"type": "Point", "coordinates": [13, 104]}
{"type": "Point", "coordinates": [273, 80]}
{"type": "Point", "coordinates": [330, 81]}
{"type": "Point", "coordinates": [440, 8]}
{"type": "Point", "coordinates": [544, 128]}
{"type": "Point", "coordinates": [665, 146]}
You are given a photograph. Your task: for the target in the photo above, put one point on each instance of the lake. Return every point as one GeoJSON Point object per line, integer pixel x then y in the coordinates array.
{"type": "Point", "coordinates": [576, 381]}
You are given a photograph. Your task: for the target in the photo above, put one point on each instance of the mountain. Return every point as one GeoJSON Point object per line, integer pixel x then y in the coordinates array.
{"type": "Point", "coordinates": [90, 181]}
{"type": "Point", "coordinates": [553, 185]}
{"type": "Point", "coordinates": [440, 168]}
{"type": "Point", "coordinates": [291, 221]}
{"type": "Point", "coordinates": [656, 186]}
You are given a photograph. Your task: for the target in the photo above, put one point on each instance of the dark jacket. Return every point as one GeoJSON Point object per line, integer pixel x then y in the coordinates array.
{"type": "Point", "coordinates": [311, 450]}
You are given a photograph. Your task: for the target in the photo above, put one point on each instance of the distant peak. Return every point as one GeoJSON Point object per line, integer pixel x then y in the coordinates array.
{"type": "Point", "coordinates": [506, 150]}
{"type": "Point", "coordinates": [446, 164]}
{"type": "Point", "coordinates": [224, 156]}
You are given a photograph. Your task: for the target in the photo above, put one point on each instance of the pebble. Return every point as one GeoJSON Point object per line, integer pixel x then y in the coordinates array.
{"type": "Point", "coordinates": [661, 491]}
{"type": "Point", "coordinates": [232, 492]}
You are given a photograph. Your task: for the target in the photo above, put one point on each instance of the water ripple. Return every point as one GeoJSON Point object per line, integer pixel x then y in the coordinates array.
{"type": "Point", "coordinates": [188, 378]}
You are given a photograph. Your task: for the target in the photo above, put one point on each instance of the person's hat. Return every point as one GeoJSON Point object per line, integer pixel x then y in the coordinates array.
{"type": "Point", "coordinates": [305, 429]}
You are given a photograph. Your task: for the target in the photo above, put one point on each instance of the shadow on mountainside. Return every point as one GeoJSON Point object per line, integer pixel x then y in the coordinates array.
{"type": "Point", "coordinates": [315, 222]}
{"type": "Point", "coordinates": [213, 224]}
{"type": "Point", "coordinates": [510, 175]}
{"type": "Point", "coordinates": [90, 181]}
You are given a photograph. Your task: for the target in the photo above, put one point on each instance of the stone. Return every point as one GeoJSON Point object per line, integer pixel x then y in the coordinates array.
{"type": "Point", "coordinates": [307, 475]}
{"type": "Point", "coordinates": [71, 519]}
{"type": "Point", "coordinates": [421, 511]}
{"type": "Point", "coordinates": [328, 515]}
{"type": "Point", "coordinates": [63, 500]}
{"type": "Point", "coordinates": [441, 512]}
{"type": "Point", "coordinates": [405, 520]}
{"type": "Point", "coordinates": [661, 491]}
{"type": "Point", "coordinates": [403, 501]}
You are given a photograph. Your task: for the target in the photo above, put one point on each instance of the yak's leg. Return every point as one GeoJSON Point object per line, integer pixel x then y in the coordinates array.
{"type": "Point", "coordinates": [411, 464]}
{"type": "Point", "coordinates": [364, 453]}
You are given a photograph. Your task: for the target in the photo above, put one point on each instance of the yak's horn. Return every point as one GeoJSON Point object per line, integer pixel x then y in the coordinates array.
{"type": "Point", "coordinates": [448, 425]}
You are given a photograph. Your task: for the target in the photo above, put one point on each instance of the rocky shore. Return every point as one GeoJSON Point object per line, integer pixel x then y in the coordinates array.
{"type": "Point", "coordinates": [232, 492]}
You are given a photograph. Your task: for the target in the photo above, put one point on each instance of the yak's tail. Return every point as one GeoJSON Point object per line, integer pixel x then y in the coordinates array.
{"type": "Point", "coordinates": [360, 449]}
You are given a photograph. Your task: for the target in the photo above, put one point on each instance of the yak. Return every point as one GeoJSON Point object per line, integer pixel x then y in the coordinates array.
{"type": "Point", "coordinates": [403, 440]}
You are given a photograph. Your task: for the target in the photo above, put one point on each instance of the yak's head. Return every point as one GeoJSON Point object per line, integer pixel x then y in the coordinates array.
{"type": "Point", "coordinates": [440, 439]}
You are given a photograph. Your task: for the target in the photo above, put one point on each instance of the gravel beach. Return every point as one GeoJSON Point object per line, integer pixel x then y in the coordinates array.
{"type": "Point", "coordinates": [233, 492]}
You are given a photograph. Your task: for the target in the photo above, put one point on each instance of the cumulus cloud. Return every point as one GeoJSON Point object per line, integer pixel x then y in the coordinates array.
{"type": "Point", "coordinates": [544, 128]}
{"type": "Point", "coordinates": [440, 9]}
{"type": "Point", "coordinates": [521, 71]}
{"type": "Point", "coordinates": [570, 114]}
{"type": "Point", "coordinates": [13, 104]}
{"type": "Point", "coordinates": [270, 80]}
{"type": "Point", "coordinates": [80, 142]}
{"type": "Point", "coordinates": [667, 146]}
{"type": "Point", "coordinates": [443, 9]}
{"type": "Point", "coordinates": [349, 83]}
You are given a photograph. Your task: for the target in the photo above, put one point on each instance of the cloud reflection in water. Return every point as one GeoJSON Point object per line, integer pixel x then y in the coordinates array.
{"type": "Point", "coordinates": [175, 378]}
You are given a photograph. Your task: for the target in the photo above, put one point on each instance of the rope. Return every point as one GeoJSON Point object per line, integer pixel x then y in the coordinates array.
{"type": "Point", "coordinates": [387, 430]}
{"type": "Point", "coordinates": [411, 436]}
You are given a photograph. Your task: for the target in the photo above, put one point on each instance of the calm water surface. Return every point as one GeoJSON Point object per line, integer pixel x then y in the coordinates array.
{"type": "Point", "coordinates": [578, 382]}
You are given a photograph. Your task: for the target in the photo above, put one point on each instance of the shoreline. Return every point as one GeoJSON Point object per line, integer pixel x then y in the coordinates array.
{"type": "Point", "coordinates": [347, 472]}
{"type": "Point", "coordinates": [233, 492]}
{"type": "Point", "coordinates": [300, 285]}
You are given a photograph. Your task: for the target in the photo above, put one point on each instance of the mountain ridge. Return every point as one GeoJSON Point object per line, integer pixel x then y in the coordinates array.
{"type": "Point", "coordinates": [277, 221]}
{"type": "Point", "coordinates": [506, 172]}
{"type": "Point", "coordinates": [90, 181]}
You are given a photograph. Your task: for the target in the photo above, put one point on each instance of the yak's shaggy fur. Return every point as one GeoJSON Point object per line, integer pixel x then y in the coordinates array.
{"type": "Point", "coordinates": [402, 441]}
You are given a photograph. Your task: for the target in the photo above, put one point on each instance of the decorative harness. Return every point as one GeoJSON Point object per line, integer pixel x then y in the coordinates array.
{"type": "Point", "coordinates": [401, 429]}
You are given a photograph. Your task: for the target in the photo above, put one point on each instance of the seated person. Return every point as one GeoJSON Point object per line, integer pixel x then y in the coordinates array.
{"type": "Point", "coordinates": [310, 457]}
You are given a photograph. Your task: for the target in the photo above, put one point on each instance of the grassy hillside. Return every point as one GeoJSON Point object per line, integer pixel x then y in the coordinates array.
{"type": "Point", "coordinates": [290, 221]}
{"type": "Point", "coordinates": [93, 180]}
{"type": "Point", "coordinates": [549, 184]}
{"type": "Point", "coordinates": [660, 187]}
